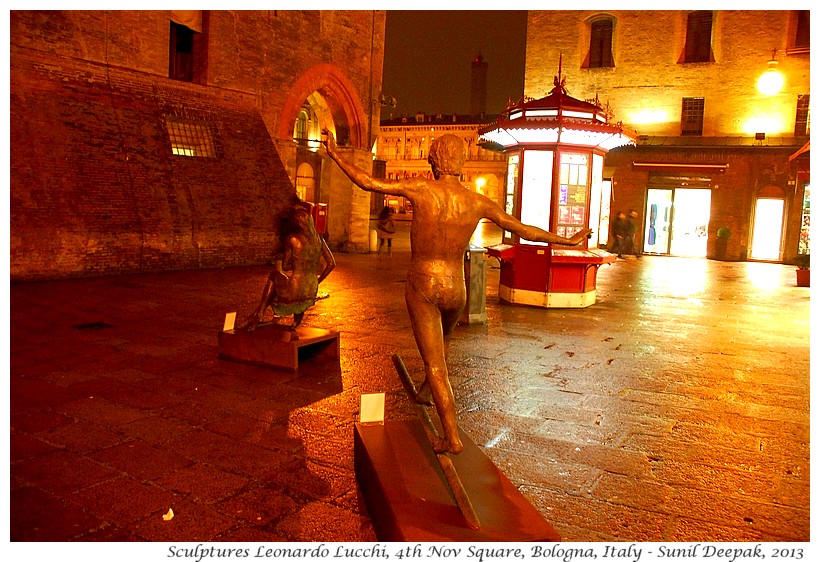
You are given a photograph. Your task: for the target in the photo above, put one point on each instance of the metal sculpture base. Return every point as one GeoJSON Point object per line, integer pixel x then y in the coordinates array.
{"type": "Point", "coordinates": [277, 346]}
{"type": "Point", "coordinates": [408, 498]}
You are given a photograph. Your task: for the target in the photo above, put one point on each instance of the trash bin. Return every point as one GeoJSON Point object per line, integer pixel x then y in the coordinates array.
{"type": "Point", "coordinates": [475, 277]}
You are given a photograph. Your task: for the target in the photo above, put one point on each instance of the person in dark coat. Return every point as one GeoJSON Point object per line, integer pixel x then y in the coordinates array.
{"type": "Point", "coordinates": [619, 233]}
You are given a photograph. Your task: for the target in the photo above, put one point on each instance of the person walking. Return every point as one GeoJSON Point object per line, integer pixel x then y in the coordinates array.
{"type": "Point", "coordinates": [385, 229]}
{"type": "Point", "coordinates": [630, 233]}
{"type": "Point", "coordinates": [619, 227]}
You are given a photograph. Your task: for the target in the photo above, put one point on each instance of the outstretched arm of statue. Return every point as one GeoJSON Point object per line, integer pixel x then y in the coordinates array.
{"type": "Point", "coordinates": [330, 261]}
{"type": "Point", "coordinates": [356, 174]}
{"type": "Point", "coordinates": [533, 233]}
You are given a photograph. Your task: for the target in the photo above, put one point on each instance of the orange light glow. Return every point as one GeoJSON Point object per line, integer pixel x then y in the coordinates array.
{"type": "Point", "coordinates": [764, 123]}
{"type": "Point", "coordinates": [648, 115]}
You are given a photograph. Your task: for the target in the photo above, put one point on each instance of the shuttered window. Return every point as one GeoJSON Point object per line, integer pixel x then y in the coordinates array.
{"type": "Point", "coordinates": [600, 43]}
{"type": "Point", "coordinates": [699, 37]}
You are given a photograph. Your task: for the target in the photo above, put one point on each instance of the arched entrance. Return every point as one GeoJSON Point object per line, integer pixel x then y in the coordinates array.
{"type": "Point", "coordinates": [306, 183]}
{"type": "Point", "coordinates": [324, 98]}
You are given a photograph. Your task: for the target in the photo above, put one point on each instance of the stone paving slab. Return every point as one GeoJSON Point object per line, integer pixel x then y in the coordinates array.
{"type": "Point", "coordinates": [676, 408]}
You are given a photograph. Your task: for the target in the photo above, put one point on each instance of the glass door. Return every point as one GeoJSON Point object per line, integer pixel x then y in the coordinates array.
{"type": "Point", "coordinates": [658, 221]}
{"type": "Point", "coordinates": [676, 221]}
{"type": "Point", "coordinates": [692, 208]}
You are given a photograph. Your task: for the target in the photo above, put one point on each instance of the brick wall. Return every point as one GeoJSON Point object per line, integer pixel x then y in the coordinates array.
{"type": "Point", "coordinates": [94, 186]}
{"type": "Point", "coordinates": [96, 189]}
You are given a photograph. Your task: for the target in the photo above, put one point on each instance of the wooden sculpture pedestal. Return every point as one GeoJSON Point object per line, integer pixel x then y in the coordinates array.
{"type": "Point", "coordinates": [278, 347]}
{"type": "Point", "coordinates": [408, 499]}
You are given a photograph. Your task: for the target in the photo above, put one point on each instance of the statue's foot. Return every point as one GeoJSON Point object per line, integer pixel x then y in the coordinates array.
{"type": "Point", "coordinates": [424, 395]}
{"type": "Point", "coordinates": [447, 446]}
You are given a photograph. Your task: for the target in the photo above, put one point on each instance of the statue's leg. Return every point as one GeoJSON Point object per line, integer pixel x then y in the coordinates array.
{"type": "Point", "coordinates": [426, 321]}
{"type": "Point", "coordinates": [297, 318]}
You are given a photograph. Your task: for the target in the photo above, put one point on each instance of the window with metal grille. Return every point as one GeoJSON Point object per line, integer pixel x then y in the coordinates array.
{"type": "Point", "coordinates": [802, 120]}
{"type": "Point", "coordinates": [190, 139]}
{"type": "Point", "coordinates": [698, 37]}
{"type": "Point", "coordinates": [600, 43]}
{"type": "Point", "coordinates": [691, 120]}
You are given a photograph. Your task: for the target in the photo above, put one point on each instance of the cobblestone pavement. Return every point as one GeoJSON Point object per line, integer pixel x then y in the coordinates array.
{"type": "Point", "coordinates": [674, 409]}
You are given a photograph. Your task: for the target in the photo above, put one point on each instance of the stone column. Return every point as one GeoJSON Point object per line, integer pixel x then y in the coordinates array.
{"type": "Point", "coordinates": [349, 206]}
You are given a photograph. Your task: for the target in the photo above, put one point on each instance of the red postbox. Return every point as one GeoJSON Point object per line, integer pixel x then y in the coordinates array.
{"type": "Point", "coordinates": [318, 212]}
{"type": "Point", "coordinates": [555, 148]}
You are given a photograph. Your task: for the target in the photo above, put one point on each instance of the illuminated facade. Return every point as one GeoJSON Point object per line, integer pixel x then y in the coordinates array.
{"type": "Point", "coordinates": [720, 102]}
{"type": "Point", "coordinates": [404, 144]}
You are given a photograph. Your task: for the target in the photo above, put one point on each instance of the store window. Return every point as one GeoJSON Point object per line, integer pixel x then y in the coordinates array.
{"type": "Point", "coordinates": [573, 194]}
{"type": "Point", "coordinates": [691, 121]}
{"type": "Point", "coordinates": [698, 37]}
{"type": "Point", "coordinates": [803, 246]}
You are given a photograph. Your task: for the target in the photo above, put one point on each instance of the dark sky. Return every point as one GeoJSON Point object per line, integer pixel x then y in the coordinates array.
{"type": "Point", "coordinates": [427, 56]}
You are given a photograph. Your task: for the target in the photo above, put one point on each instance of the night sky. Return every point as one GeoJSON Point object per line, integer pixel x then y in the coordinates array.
{"type": "Point", "coordinates": [427, 56]}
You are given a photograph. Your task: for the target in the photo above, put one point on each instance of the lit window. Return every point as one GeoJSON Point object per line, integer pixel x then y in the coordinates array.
{"type": "Point", "coordinates": [600, 43]}
{"type": "Point", "coordinates": [698, 37]}
{"type": "Point", "coordinates": [189, 138]}
{"type": "Point", "coordinates": [802, 121]}
{"type": "Point", "coordinates": [691, 120]}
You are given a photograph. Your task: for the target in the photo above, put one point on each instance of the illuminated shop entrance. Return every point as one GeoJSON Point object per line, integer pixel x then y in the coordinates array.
{"type": "Point", "coordinates": [767, 233]}
{"type": "Point", "coordinates": [677, 221]}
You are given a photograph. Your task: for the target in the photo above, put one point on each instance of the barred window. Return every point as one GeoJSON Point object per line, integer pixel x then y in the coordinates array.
{"type": "Point", "coordinates": [803, 118]}
{"type": "Point", "coordinates": [189, 138]}
{"type": "Point", "coordinates": [691, 120]}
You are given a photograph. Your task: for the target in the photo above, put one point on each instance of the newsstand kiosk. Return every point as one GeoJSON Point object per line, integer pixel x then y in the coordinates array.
{"type": "Point", "coordinates": [555, 149]}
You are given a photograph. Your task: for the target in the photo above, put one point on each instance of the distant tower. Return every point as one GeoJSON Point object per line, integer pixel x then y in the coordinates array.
{"type": "Point", "coordinates": [478, 87]}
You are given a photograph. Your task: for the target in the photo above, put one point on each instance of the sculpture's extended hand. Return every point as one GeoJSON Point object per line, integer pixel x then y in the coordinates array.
{"type": "Point", "coordinates": [580, 236]}
{"type": "Point", "coordinates": [329, 142]}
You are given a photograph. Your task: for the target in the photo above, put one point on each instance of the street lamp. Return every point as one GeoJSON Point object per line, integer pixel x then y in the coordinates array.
{"type": "Point", "coordinates": [771, 81]}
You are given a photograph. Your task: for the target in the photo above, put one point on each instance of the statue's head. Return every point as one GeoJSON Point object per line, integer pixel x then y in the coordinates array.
{"type": "Point", "coordinates": [297, 220]}
{"type": "Point", "coordinates": [447, 155]}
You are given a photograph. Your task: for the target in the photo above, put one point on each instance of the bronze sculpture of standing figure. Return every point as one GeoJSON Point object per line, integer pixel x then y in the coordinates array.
{"type": "Point", "coordinates": [445, 215]}
{"type": "Point", "coordinates": [292, 286]}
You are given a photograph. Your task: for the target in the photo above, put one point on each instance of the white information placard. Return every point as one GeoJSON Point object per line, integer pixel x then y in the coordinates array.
{"type": "Point", "coordinates": [230, 321]}
{"type": "Point", "coordinates": [372, 408]}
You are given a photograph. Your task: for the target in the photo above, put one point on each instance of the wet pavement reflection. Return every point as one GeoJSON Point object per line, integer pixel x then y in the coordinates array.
{"type": "Point", "coordinates": [674, 409]}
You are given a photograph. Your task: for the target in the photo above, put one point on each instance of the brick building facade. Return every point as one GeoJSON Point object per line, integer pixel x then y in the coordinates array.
{"type": "Point", "coordinates": [709, 139]}
{"type": "Point", "coordinates": [153, 140]}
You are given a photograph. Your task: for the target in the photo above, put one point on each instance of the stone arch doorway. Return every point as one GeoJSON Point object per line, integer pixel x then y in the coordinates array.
{"type": "Point", "coordinates": [324, 98]}
{"type": "Point", "coordinates": [306, 183]}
